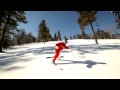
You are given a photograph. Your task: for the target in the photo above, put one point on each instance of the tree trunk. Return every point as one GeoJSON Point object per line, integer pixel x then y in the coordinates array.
{"type": "Point", "coordinates": [0, 31]}
{"type": "Point", "coordinates": [94, 33]}
{"type": "Point", "coordinates": [4, 31]}
{"type": "Point", "coordinates": [1, 16]}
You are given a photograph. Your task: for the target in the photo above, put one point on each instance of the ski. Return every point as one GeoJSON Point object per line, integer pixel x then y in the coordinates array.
{"type": "Point", "coordinates": [57, 66]}
{"type": "Point", "coordinates": [58, 57]}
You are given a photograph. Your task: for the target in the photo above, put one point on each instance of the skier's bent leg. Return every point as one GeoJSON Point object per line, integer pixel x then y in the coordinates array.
{"type": "Point", "coordinates": [56, 55]}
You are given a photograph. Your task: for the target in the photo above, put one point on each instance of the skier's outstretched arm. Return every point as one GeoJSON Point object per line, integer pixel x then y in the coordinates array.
{"type": "Point", "coordinates": [66, 47]}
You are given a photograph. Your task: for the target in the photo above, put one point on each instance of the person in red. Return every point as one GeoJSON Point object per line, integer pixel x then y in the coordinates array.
{"type": "Point", "coordinates": [58, 47]}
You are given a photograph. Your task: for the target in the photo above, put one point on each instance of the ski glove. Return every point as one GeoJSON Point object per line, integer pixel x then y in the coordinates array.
{"type": "Point", "coordinates": [67, 47]}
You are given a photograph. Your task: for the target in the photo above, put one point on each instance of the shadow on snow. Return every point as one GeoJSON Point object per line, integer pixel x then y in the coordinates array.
{"type": "Point", "coordinates": [89, 63]}
{"type": "Point", "coordinates": [93, 48]}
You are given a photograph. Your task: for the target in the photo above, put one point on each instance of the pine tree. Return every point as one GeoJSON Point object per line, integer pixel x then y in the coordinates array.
{"type": "Point", "coordinates": [55, 37]}
{"type": "Point", "coordinates": [59, 35]}
{"type": "Point", "coordinates": [9, 21]}
{"type": "Point", "coordinates": [65, 38]}
{"type": "Point", "coordinates": [74, 37]}
{"type": "Point", "coordinates": [22, 36]}
{"type": "Point", "coordinates": [70, 37]}
{"type": "Point", "coordinates": [83, 35]}
{"type": "Point", "coordinates": [87, 17]}
{"type": "Point", "coordinates": [43, 32]}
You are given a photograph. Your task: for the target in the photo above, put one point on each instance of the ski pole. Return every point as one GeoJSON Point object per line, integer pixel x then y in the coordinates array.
{"type": "Point", "coordinates": [72, 54]}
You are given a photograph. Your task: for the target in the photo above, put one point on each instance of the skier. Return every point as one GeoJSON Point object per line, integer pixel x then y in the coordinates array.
{"type": "Point", "coordinates": [58, 47]}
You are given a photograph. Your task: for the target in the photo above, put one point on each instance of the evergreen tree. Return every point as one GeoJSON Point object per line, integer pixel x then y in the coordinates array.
{"type": "Point", "coordinates": [43, 32]}
{"type": "Point", "coordinates": [55, 37]}
{"type": "Point", "coordinates": [65, 38]}
{"type": "Point", "coordinates": [59, 35]}
{"type": "Point", "coordinates": [9, 21]}
{"type": "Point", "coordinates": [74, 37]}
{"type": "Point", "coordinates": [22, 37]}
{"type": "Point", "coordinates": [70, 37]}
{"type": "Point", "coordinates": [87, 17]}
{"type": "Point", "coordinates": [48, 35]}
{"type": "Point", "coordinates": [83, 35]}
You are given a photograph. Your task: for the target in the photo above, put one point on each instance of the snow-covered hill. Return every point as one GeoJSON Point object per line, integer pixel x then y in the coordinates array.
{"type": "Point", "coordinates": [84, 60]}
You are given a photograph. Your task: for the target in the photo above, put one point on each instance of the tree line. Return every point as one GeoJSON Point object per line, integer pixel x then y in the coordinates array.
{"type": "Point", "coordinates": [100, 34]}
{"type": "Point", "coordinates": [10, 35]}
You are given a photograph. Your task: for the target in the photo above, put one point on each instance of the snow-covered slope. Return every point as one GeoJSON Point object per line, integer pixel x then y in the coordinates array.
{"type": "Point", "coordinates": [84, 60]}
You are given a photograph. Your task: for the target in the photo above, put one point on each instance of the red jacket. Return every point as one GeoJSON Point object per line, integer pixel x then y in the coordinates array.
{"type": "Point", "coordinates": [60, 46]}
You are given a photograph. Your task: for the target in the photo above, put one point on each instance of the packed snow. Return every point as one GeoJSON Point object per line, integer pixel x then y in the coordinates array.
{"type": "Point", "coordinates": [84, 60]}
